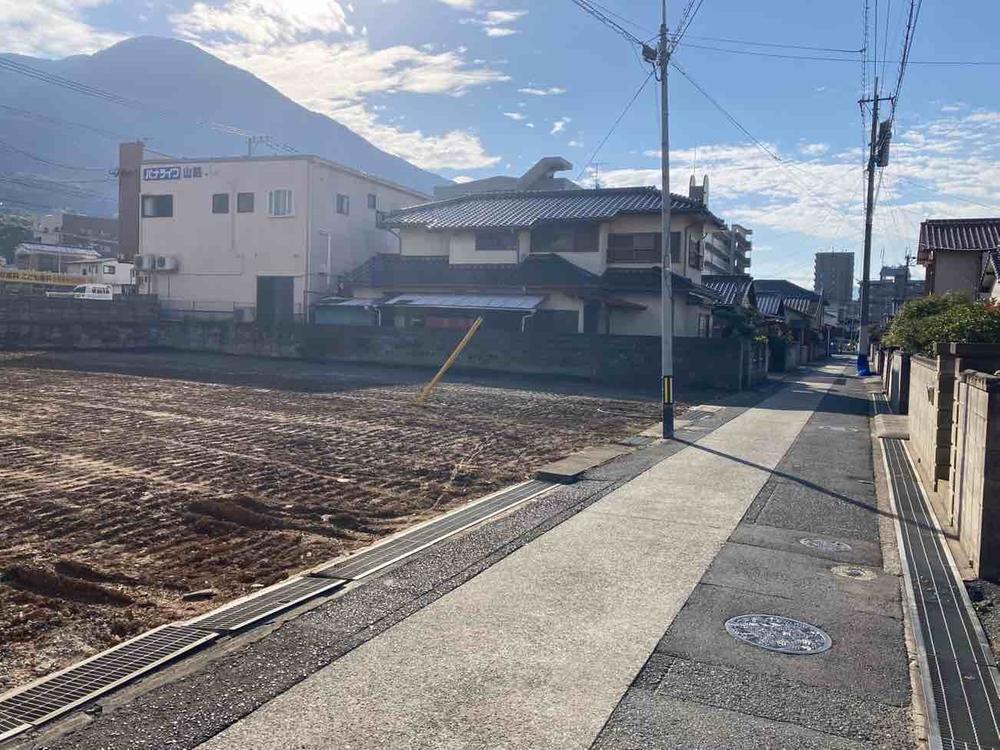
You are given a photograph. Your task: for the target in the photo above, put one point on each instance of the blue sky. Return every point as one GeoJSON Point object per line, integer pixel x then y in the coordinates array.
{"type": "Point", "coordinates": [469, 88]}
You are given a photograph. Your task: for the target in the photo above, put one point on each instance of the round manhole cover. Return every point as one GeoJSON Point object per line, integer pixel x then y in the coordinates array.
{"type": "Point", "coordinates": [825, 545]}
{"type": "Point", "coordinates": [853, 571]}
{"type": "Point", "coordinates": [781, 634]}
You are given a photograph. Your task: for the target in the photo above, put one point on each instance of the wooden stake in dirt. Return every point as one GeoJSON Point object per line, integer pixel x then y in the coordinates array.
{"type": "Point", "coordinates": [449, 362]}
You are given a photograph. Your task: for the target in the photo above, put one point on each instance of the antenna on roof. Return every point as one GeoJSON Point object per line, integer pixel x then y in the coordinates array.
{"type": "Point", "coordinates": [597, 174]}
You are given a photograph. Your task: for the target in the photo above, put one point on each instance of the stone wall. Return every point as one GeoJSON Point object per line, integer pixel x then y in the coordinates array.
{"type": "Point", "coordinates": [930, 405]}
{"type": "Point", "coordinates": [60, 323]}
{"type": "Point", "coordinates": [895, 371]}
{"type": "Point", "coordinates": [975, 478]}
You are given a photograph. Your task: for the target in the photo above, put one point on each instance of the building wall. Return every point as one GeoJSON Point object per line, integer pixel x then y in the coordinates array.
{"type": "Point", "coordinates": [418, 241]}
{"type": "Point", "coordinates": [462, 250]}
{"type": "Point", "coordinates": [648, 322]}
{"type": "Point", "coordinates": [834, 276]}
{"type": "Point", "coordinates": [956, 272]}
{"type": "Point", "coordinates": [220, 256]}
{"type": "Point", "coordinates": [121, 275]}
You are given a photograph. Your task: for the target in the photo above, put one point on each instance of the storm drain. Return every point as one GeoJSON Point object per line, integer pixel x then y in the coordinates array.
{"type": "Point", "coordinates": [958, 670]}
{"type": "Point", "coordinates": [267, 603]}
{"type": "Point", "coordinates": [379, 556]}
{"type": "Point", "coordinates": [63, 691]}
{"type": "Point", "coordinates": [825, 545]}
{"type": "Point", "coordinates": [781, 634]}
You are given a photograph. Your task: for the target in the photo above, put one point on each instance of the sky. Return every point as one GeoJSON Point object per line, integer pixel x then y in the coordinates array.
{"type": "Point", "coordinates": [472, 88]}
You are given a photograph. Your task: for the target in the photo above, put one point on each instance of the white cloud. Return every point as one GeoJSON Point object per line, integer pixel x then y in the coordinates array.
{"type": "Point", "coordinates": [305, 51]}
{"type": "Point", "coordinates": [575, 144]}
{"type": "Point", "coordinates": [262, 22]}
{"type": "Point", "coordinates": [460, 4]}
{"type": "Point", "coordinates": [496, 23]}
{"type": "Point", "coordinates": [535, 91]}
{"type": "Point", "coordinates": [948, 167]}
{"type": "Point", "coordinates": [813, 149]}
{"type": "Point", "coordinates": [51, 28]}
{"type": "Point", "coordinates": [559, 125]}
{"type": "Point", "coordinates": [515, 116]}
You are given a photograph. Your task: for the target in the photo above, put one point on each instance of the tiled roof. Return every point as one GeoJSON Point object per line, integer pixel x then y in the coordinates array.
{"type": "Point", "coordinates": [390, 271]}
{"type": "Point", "coordinates": [732, 289]}
{"type": "Point", "coordinates": [524, 209]}
{"type": "Point", "coordinates": [991, 268]}
{"type": "Point", "coordinates": [770, 304]}
{"type": "Point", "coordinates": [959, 234]}
{"type": "Point", "coordinates": [784, 288]}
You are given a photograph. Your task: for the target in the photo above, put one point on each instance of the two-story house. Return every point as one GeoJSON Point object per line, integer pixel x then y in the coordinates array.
{"type": "Point", "coordinates": [570, 260]}
{"type": "Point", "coordinates": [953, 250]}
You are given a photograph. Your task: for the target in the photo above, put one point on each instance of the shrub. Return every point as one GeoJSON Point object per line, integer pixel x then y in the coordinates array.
{"type": "Point", "coordinates": [951, 318]}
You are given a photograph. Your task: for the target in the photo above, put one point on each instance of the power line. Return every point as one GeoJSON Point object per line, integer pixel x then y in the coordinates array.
{"type": "Point", "coordinates": [604, 18]}
{"type": "Point", "coordinates": [616, 123]}
{"type": "Point", "coordinates": [830, 58]}
{"type": "Point", "coordinates": [776, 45]}
{"type": "Point", "coordinates": [123, 101]}
{"type": "Point", "coordinates": [43, 160]}
{"type": "Point", "coordinates": [687, 18]}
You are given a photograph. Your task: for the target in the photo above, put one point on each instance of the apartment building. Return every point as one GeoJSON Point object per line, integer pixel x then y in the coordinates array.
{"type": "Point", "coordinates": [258, 237]}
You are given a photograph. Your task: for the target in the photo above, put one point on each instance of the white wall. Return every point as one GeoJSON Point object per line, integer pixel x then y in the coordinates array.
{"type": "Point", "coordinates": [122, 274]}
{"type": "Point", "coordinates": [220, 256]}
{"type": "Point", "coordinates": [957, 272]}
{"type": "Point", "coordinates": [462, 250]}
{"type": "Point", "coordinates": [647, 322]}
{"type": "Point", "coordinates": [418, 241]}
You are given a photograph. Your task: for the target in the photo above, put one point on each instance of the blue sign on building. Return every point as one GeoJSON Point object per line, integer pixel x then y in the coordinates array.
{"type": "Point", "coordinates": [170, 173]}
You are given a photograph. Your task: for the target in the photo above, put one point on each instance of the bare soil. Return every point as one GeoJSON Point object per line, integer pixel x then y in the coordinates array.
{"type": "Point", "coordinates": [128, 480]}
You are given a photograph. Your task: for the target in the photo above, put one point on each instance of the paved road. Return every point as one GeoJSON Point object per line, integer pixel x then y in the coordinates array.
{"type": "Point", "coordinates": [539, 649]}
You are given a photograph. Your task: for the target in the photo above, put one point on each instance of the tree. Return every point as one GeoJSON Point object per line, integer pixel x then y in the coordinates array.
{"type": "Point", "coordinates": [925, 321]}
{"type": "Point", "coordinates": [12, 235]}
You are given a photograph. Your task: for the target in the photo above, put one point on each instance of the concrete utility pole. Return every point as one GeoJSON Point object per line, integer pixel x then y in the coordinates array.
{"type": "Point", "coordinates": [873, 150]}
{"type": "Point", "coordinates": [666, 291]}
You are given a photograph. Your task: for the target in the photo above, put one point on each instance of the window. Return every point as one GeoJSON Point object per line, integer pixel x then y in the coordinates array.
{"type": "Point", "coordinates": [220, 203]}
{"type": "Point", "coordinates": [634, 248]}
{"type": "Point", "coordinates": [343, 204]}
{"type": "Point", "coordinates": [564, 238]}
{"type": "Point", "coordinates": [694, 253]}
{"type": "Point", "coordinates": [109, 269]}
{"type": "Point", "coordinates": [704, 326]}
{"type": "Point", "coordinates": [244, 203]}
{"type": "Point", "coordinates": [496, 239]}
{"type": "Point", "coordinates": [675, 247]}
{"type": "Point", "coordinates": [279, 203]}
{"type": "Point", "coordinates": [372, 201]}
{"type": "Point", "coordinates": [157, 206]}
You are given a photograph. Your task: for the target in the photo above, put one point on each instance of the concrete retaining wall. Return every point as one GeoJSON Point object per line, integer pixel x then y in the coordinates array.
{"type": "Point", "coordinates": [58, 323]}
{"type": "Point", "coordinates": [930, 409]}
{"type": "Point", "coordinates": [975, 478]}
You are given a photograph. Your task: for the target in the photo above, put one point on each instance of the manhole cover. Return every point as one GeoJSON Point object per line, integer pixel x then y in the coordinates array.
{"type": "Point", "coordinates": [781, 634]}
{"type": "Point", "coordinates": [825, 545]}
{"type": "Point", "coordinates": [853, 571]}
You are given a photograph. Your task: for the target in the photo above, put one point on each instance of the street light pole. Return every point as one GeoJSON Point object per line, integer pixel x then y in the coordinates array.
{"type": "Point", "coordinates": [666, 288]}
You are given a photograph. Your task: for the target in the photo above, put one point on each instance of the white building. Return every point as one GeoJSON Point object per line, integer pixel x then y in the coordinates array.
{"type": "Point", "coordinates": [260, 236]}
{"type": "Point", "coordinates": [119, 274]}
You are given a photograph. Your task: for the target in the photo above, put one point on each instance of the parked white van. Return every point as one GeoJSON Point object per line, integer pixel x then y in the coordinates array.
{"type": "Point", "coordinates": [87, 291]}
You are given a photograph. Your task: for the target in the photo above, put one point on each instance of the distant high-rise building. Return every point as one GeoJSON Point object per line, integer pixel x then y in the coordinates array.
{"type": "Point", "coordinates": [893, 288]}
{"type": "Point", "coordinates": [834, 277]}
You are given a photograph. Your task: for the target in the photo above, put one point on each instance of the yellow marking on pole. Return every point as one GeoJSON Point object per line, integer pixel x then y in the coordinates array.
{"type": "Point", "coordinates": [668, 390]}
{"type": "Point", "coordinates": [449, 362]}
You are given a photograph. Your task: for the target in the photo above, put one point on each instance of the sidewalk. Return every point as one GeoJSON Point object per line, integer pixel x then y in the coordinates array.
{"type": "Point", "coordinates": [540, 649]}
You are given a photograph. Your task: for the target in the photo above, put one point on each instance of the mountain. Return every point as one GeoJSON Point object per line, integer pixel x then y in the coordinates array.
{"type": "Point", "coordinates": [57, 145]}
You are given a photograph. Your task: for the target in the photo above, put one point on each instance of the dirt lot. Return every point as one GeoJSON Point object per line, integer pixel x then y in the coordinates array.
{"type": "Point", "coordinates": [128, 480]}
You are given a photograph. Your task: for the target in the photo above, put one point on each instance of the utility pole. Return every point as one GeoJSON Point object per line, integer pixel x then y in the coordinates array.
{"type": "Point", "coordinates": [873, 154]}
{"type": "Point", "coordinates": [666, 289]}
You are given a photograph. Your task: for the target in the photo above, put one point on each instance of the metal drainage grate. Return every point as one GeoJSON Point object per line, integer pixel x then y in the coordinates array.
{"type": "Point", "coordinates": [781, 634]}
{"type": "Point", "coordinates": [265, 604]}
{"type": "Point", "coordinates": [10, 726]}
{"type": "Point", "coordinates": [853, 571]}
{"type": "Point", "coordinates": [962, 685]}
{"type": "Point", "coordinates": [379, 556]}
{"type": "Point", "coordinates": [58, 693]}
{"type": "Point", "coordinates": [825, 545]}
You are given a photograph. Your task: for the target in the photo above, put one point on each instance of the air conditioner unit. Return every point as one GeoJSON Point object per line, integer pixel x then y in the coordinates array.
{"type": "Point", "coordinates": [145, 263]}
{"type": "Point", "coordinates": [166, 263]}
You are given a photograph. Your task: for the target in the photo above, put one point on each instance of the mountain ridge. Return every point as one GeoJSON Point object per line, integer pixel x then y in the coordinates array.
{"type": "Point", "coordinates": [187, 89]}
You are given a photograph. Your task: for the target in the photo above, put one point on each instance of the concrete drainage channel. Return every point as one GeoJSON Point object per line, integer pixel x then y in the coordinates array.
{"type": "Point", "coordinates": [961, 683]}
{"type": "Point", "coordinates": [52, 696]}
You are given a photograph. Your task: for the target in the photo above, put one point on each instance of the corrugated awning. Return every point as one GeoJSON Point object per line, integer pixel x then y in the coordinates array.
{"type": "Point", "coordinates": [467, 301]}
{"type": "Point", "coordinates": [333, 302]}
